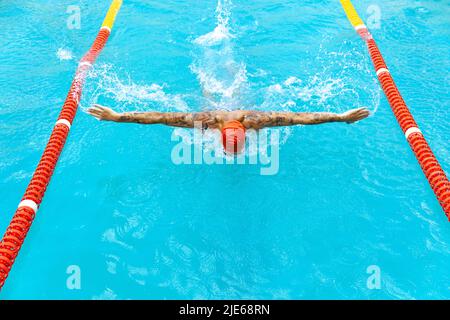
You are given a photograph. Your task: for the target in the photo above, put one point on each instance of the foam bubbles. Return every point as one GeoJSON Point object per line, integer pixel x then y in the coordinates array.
{"type": "Point", "coordinates": [105, 86]}
{"type": "Point", "coordinates": [222, 30]}
{"type": "Point", "coordinates": [64, 54]}
{"type": "Point", "coordinates": [217, 36]}
{"type": "Point", "coordinates": [223, 78]}
{"type": "Point", "coordinates": [326, 87]}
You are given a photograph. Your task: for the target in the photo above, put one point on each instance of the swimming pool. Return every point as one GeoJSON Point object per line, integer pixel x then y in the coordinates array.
{"type": "Point", "coordinates": [136, 225]}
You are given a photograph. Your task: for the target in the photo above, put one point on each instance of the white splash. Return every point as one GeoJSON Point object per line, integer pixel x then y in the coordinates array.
{"type": "Point", "coordinates": [222, 31]}
{"type": "Point", "coordinates": [331, 88]}
{"type": "Point", "coordinates": [64, 54]}
{"type": "Point", "coordinates": [226, 88]}
{"type": "Point", "coordinates": [105, 84]}
{"type": "Point", "coordinates": [222, 78]}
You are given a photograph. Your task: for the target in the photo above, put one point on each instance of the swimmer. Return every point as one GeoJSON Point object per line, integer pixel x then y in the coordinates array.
{"type": "Point", "coordinates": [232, 124]}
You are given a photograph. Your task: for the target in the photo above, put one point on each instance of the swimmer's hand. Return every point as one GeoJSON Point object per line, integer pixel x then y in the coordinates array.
{"type": "Point", "coordinates": [103, 113]}
{"type": "Point", "coordinates": [355, 115]}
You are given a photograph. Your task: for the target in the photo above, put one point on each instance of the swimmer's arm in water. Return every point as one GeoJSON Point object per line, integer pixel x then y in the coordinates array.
{"type": "Point", "coordinates": [259, 120]}
{"type": "Point", "coordinates": [175, 119]}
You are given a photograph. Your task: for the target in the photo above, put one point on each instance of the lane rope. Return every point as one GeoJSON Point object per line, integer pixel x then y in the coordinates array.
{"type": "Point", "coordinates": [410, 131]}
{"type": "Point", "coordinates": [29, 204]}
{"type": "Point", "coordinates": [430, 165]}
{"type": "Point", "coordinates": [64, 122]}
{"type": "Point", "coordinates": [381, 70]}
{"type": "Point", "coordinates": [21, 222]}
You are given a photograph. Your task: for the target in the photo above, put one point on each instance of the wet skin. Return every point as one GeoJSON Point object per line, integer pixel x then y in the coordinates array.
{"type": "Point", "coordinates": [216, 119]}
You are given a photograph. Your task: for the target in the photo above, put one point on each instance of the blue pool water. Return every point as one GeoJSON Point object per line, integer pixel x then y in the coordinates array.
{"type": "Point", "coordinates": [136, 225]}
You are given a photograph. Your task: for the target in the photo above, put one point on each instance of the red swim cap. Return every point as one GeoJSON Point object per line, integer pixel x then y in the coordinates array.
{"type": "Point", "coordinates": [233, 136]}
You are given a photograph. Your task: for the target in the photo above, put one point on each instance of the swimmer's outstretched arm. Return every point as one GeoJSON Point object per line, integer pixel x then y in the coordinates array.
{"type": "Point", "coordinates": [175, 119]}
{"type": "Point", "coordinates": [279, 119]}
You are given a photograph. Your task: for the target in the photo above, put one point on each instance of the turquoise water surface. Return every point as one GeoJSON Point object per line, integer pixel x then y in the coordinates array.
{"type": "Point", "coordinates": [345, 199]}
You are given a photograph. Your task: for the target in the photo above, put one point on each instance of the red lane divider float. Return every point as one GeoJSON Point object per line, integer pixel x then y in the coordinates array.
{"type": "Point", "coordinates": [430, 166]}
{"type": "Point", "coordinates": [21, 222]}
